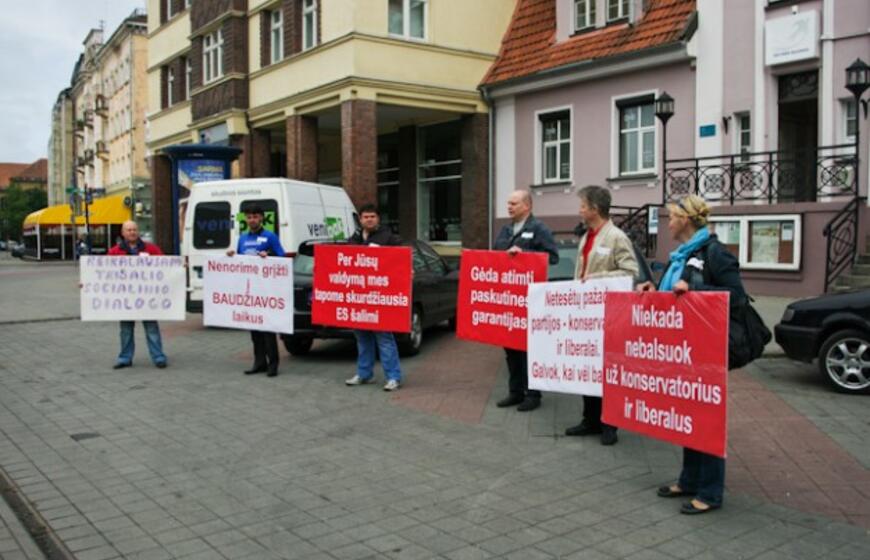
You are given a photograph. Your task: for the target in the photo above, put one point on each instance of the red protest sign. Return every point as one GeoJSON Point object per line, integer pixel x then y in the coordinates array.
{"type": "Point", "coordinates": [491, 304]}
{"type": "Point", "coordinates": [666, 365]}
{"type": "Point", "coordinates": [359, 287]}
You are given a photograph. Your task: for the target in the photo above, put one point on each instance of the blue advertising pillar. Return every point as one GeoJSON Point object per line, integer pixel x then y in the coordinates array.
{"type": "Point", "coordinates": [191, 164]}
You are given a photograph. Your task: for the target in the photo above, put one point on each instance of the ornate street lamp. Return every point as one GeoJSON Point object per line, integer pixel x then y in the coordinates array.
{"type": "Point", "coordinates": [664, 106]}
{"type": "Point", "coordinates": [857, 81]}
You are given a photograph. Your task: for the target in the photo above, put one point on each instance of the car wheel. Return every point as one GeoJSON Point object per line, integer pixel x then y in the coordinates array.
{"type": "Point", "coordinates": [410, 343]}
{"type": "Point", "coordinates": [298, 345]}
{"type": "Point", "coordinates": [844, 361]}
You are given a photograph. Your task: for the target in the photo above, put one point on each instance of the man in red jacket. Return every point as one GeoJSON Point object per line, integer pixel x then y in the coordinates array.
{"type": "Point", "coordinates": [132, 244]}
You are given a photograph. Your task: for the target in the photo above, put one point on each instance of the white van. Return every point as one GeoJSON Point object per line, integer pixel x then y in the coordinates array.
{"type": "Point", "coordinates": [295, 210]}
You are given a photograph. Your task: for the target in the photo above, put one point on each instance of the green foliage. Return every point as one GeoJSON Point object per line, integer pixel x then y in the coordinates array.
{"type": "Point", "coordinates": [15, 206]}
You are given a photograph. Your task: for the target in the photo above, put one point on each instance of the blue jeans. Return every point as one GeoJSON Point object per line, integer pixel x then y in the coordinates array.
{"type": "Point", "coordinates": [386, 344]}
{"type": "Point", "coordinates": [152, 336]}
{"type": "Point", "coordinates": [703, 475]}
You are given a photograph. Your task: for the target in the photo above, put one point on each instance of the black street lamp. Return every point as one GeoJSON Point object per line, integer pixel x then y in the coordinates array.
{"type": "Point", "coordinates": [857, 81]}
{"type": "Point", "coordinates": [664, 106]}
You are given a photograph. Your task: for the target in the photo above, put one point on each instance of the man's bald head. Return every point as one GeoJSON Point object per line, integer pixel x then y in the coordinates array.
{"type": "Point", "coordinates": [130, 231]}
{"type": "Point", "coordinates": [519, 205]}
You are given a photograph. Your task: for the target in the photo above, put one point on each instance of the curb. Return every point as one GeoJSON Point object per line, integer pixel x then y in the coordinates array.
{"type": "Point", "coordinates": [39, 530]}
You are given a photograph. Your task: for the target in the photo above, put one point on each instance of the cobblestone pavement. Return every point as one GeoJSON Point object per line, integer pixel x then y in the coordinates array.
{"type": "Point", "coordinates": [199, 461]}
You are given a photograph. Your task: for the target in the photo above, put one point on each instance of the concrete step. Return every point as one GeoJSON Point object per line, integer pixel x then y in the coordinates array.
{"type": "Point", "coordinates": [863, 258]}
{"type": "Point", "coordinates": [861, 270]}
{"type": "Point", "coordinates": [853, 281]}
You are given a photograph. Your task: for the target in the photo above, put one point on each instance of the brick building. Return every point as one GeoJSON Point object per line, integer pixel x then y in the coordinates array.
{"type": "Point", "coordinates": [378, 96]}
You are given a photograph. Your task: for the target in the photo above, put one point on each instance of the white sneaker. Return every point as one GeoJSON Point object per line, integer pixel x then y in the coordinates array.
{"type": "Point", "coordinates": [391, 385]}
{"type": "Point", "coordinates": [357, 380]}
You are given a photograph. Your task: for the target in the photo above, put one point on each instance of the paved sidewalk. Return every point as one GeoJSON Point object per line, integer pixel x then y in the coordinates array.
{"type": "Point", "coordinates": [199, 461]}
{"type": "Point", "coordinates": [15, 541]}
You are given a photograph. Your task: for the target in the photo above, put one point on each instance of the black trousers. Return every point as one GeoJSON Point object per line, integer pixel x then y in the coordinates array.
{"type": "Point", "coordinates": [518, 380]}
{"type": "Point", "coordinates": [265, 349]}
{"type": "Point", "coordinates": [592, 413]}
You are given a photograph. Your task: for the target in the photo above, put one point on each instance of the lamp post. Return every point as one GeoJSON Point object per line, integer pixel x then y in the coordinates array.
{"type": "Point", "coordinates": [857, 81]}
{"type": "Point", "coordinates": [664, 106]}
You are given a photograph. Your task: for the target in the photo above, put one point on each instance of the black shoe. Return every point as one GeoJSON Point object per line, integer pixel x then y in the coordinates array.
{"type": "Point", "coordinates": [609, 437]}
{"type": "Point", "coordinates": [583, 429]}
{"type": "Point", "coordinates": [529, 403]}
{"type": "Point", "coordinates": [255, 369]}
{"type": "Point", "coordinates": [273, 371]}
{"type": "Point", "coordinates": [121, 365]}
{"type": "Point", "coordinates": [160, 365]}
{"type": "Point", "coordinates": [512, 399]}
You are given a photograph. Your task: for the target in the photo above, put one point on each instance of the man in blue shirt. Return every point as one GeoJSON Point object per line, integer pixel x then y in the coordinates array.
{"type": "Point", "coordinates": [258, 241]}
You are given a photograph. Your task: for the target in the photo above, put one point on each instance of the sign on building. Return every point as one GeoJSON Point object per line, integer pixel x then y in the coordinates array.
{"type": "Point", "coordinates": [791, 38]}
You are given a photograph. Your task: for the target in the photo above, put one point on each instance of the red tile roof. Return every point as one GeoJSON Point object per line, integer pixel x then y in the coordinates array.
{"type": "Point", "coordinates": [37, 171]}
{"type": "Point", "coordinates": [529, 45]}
{"type": "Point", "coordinates": [9, 170]}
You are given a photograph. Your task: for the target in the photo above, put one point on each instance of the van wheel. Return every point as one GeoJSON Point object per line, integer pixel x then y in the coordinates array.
{"type": "Point", "coordinates": [409, 344]}
{"type": "Point", "coordinates": [844, 361]}
{"type": "Point", "coordinates": [298, 345]}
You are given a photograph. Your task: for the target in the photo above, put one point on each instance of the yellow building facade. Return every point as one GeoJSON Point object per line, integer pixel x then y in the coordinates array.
{"type": "Point", "coordinates": [379, 96]}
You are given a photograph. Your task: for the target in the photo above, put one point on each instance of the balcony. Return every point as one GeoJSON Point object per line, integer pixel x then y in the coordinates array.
{"type": "Point", "coordinates": [102, 150]}
{"type": "Point", "coordinates": [101, 107]}
{"type": "Point", "coordinates": [824, 174]}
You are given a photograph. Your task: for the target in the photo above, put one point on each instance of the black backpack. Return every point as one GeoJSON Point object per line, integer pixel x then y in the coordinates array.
{"type": "Point", "coordinates": [747, 333]}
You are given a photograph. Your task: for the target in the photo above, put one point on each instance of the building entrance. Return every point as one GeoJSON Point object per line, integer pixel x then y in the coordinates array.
{"type": "Point", "coordinates": [798, 136]}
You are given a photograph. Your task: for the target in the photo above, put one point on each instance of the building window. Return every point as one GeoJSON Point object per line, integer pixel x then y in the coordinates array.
{"type": "Point", "coordinates": [556, 147]}
{"type": "Point", "coordinates": [188, 75]}
{"type": "Point", "coordinates": [584, 14]}
{"type": "Point", "coordinates": [187, 4]}
{"type": "Point", "coordinates": [212, 56]}
{"type": "Point", "coordinates": [407, 18]}
{"type": "Point", "coordinates": [276, 26]}
{"type": "Point", "coordinates": [762, 242]}
{"type": "Point", "coordinates": [170, 86]}
{"type": "Point", "coordinates": [744, 135]}
{"type": "Point", "coordinates": [168, 9]}
{"type": "Point", "coordinates": [850, 121]}
{"type": "Point", "coordinates": [617, 9]}
{"type": "Point", "coordinates": [637, 138]}
{"type": "Point", "coordinates": [309, 24]}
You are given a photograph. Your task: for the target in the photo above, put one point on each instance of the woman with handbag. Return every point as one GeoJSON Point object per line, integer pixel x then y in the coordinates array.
{"type": "Point", "coordinates": [701, 263]}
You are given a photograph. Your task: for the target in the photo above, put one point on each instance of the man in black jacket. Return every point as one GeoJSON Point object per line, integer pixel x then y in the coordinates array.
{"type": "Point", "coordinates": [373, 234]}
{"type": "Point", "coordinates": [525, 233]}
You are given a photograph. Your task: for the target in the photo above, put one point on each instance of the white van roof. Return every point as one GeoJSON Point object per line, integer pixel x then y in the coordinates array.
{"type": "Point", "coordinates": [259, 182]}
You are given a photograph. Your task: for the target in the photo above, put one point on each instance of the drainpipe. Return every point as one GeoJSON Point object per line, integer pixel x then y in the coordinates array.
{"type": "Point", "coordinates": [491, 167]}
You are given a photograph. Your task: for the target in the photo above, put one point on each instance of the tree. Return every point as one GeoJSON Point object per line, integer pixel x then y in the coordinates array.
{"type": "Point", "coordinates": [15, 206]}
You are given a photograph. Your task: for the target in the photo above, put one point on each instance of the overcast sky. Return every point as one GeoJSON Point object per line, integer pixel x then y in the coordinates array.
{"type": "Point", "coordinates": [40, 41]}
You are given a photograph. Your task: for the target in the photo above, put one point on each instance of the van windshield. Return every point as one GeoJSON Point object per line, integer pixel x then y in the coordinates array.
{"type": "Point", "coordinates": [212, 225]}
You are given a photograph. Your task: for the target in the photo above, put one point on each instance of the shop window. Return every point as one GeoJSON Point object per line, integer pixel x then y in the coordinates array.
{"type": "Point", "coordinates": [762, 242]}
{"type": "Point", "coordinates": [439, 176]}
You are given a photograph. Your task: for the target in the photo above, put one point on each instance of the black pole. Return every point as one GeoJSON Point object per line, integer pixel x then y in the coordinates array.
{"type": "Point", "coordinates": [664, 162]}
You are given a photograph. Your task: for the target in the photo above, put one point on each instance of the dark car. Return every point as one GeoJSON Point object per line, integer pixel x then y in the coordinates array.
{"type": "Point", "coordinates": [565, 268]}
{"type": "Point", "coordinates": [17, 250]}
{"type": "Point", "coordinates": [835, 329]}
{"type": "Point", "coordinates": [434, 300]}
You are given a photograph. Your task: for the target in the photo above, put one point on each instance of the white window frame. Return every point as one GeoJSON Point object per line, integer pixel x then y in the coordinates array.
{"type": "Point", "coordinates": [623, 10]}
{"type": "Point", "coordinates": [168, 6]}
{"type": "Point", "coordinates": [739, 131]}
{"type": "Point", "coordinates": [406, 21]}
{"type": "Point", "coordinates": [170, 84]}
{"type": "Point", "coordinates": [590, 14]}
{"type": "Point", "coordinates": [616, 136]}
{"type": "Point", "coordinates": [276, 35]}
{"type": "Point", "coordinates": [844, 119]}
{"type": "Point", "coordinates": [212, 57]}
{"type": "Point", "coordinates": [187, 4]}
{"type": "Point", "coordinates": [188, 75]}
{"type": "Point", "coordinates": [746, 219]}
{"type": "Point", "coordinates": [309, 10]}
{"type": "Point", "coordinates": [539, 145]}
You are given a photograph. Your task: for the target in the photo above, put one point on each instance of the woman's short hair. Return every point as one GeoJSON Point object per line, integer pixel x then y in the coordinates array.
{"type": "Point", "coordinates": [693, 207]}
{"type": "Point", "coordinates": [598, 198]}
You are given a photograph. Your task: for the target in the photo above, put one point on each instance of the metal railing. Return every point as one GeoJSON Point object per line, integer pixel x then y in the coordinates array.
{"type": "Point", "coordinates": [841, 235]}
{"type": "Point", "coordinates": [824, 173]}
{"type": "Point", "coordinates": [635, 223]}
